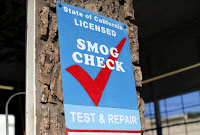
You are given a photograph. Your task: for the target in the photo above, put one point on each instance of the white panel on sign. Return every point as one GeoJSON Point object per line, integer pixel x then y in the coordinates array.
{"type": "Point", "coordinates": [90, 133]}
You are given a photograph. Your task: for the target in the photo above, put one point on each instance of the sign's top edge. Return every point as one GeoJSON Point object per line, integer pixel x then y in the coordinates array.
{"type": "Point", "coordinates": [57, 5]}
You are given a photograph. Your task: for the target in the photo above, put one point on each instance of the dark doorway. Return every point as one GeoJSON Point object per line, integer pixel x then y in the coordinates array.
{"type": "Point", "coordinates": [12, 62]}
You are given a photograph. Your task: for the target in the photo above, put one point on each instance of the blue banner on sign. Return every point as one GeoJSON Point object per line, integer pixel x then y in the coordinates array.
{"type": "Point", "coordinates": [97, 75]}
{"type": "Point", "coordinates": [101, 118]}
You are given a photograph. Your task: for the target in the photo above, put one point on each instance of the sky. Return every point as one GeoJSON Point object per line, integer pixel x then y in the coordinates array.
{"type": "Point", "coordinates": [191, 103]}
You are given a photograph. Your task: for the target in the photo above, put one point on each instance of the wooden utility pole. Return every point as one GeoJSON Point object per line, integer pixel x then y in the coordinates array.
{"type": "Point", "coordinates": [48, 86]}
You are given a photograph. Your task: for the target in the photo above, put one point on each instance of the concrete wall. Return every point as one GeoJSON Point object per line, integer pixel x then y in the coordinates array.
{"type": "Point", "coordinates": [192, 127]}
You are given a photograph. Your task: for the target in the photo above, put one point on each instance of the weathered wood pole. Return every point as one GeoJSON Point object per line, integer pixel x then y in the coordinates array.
{"type": "Point", "coordinates": [49, 98]}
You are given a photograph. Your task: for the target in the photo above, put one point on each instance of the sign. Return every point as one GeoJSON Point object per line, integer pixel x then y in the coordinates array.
{"type": "Point", "coordinates": [97, 75]}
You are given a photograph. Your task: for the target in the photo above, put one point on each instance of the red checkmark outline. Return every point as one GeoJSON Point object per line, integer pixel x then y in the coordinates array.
{"type": "Point", "coordinates": [94, 88]}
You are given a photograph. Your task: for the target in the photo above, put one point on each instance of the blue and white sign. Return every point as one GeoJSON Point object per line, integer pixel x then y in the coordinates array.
{"type": "Point", "coordinates": [97, 76]}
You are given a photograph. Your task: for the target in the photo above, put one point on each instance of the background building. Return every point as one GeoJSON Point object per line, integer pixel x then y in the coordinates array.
{"type": "Point", "coordinates": [169, 57]}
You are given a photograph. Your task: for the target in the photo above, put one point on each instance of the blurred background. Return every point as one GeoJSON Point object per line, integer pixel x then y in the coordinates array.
{"type": "Point", "coordinates": [12, 64]}
{"type": "Point", "coordinates": [169, 41]}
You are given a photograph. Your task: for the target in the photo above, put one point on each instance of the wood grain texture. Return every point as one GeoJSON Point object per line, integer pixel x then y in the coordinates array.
{"type": "Point", "coordinates": [50, 112]}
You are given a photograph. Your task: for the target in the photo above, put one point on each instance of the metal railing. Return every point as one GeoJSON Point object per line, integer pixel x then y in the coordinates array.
{"type": "Point", "coordinates": [6, 109]}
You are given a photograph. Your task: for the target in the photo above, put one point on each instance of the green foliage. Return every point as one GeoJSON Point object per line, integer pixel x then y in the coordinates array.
{"type": "Point", "coordinates": [193, 115]}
